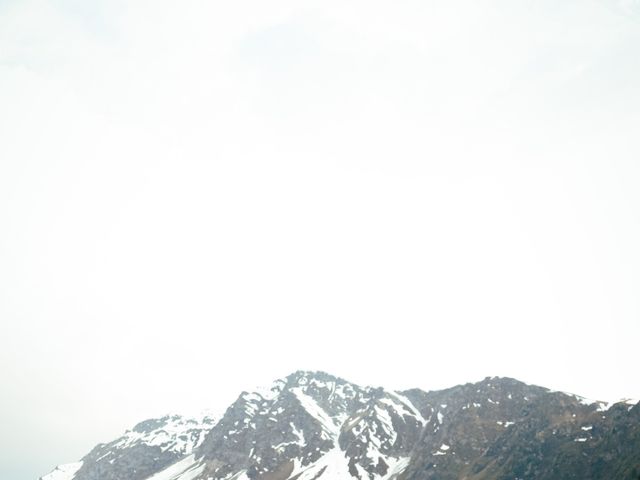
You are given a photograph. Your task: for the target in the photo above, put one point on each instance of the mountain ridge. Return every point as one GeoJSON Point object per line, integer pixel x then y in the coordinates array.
{"type": "Point", "coordinates": [311, 425]}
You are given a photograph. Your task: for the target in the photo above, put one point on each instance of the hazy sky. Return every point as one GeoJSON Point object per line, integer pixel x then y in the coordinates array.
{"type": "Point", "coordinates": [200, 196]}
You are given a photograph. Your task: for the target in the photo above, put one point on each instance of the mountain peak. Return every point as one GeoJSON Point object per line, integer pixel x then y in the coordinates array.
{"type": "Point", "coordinates": [301, 377]}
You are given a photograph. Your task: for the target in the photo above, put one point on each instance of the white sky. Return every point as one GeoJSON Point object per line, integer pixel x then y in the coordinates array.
{"type": "Point", "coordinates": [196, 198]}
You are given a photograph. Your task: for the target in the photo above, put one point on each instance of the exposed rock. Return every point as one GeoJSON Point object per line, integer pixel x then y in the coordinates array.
{"type": "Point", "coordinates": [311, 425]}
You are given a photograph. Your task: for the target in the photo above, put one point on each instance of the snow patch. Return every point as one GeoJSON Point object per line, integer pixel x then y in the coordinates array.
{"type": "Point", "coordinates": [505, 424]}
{"type": "Point", "coordinates": [185, 469]}
{"type": "Point", "coordinates": [177, 434]}
{"type": "Point", "coordinates": [329, 428]}
{"type": "Point", "coordinates": [63, 472]}
{"type": "Point", "coordinates": [442, 450]}
{"type": "Point", "coordinates": [600, 405]}
{"type": "Point", "coordinates": [396, 467]}
{"type": "Point", "coordinates": [407, 403]}
{"type": "Point", "coordinates": [334, 465]}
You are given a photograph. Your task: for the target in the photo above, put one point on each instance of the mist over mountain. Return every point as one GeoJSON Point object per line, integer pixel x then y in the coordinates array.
{"type": "Point", "coordinates": [312, 425]}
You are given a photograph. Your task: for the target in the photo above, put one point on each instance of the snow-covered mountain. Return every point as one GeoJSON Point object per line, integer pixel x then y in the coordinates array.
{"type": "Point", "coordinates": [148, 447]}
{"type": "Point", "coordinates": [311, 425]}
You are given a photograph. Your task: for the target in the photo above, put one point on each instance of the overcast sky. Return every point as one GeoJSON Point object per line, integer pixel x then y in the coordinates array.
{"type": "Point", "coordinates": [197, 197]}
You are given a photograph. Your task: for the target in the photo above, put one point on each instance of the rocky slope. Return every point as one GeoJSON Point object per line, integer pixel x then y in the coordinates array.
{"type": "Point", "coordinates": [149, 447]}
{"type": "Point", "coordinates": [311, 425]}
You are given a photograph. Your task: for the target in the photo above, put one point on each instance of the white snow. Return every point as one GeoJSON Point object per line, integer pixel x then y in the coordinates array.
{"type": "Point", "coordinates": [329, 428]}
{"type": "Point", "coordinates": [362, 473]}
{"type": "Point", "coordinates": [600, 405]}
{"type": "Point", "coordinates": [241, 475]}
{"type": "Point", "coordinates": [586, 429]}
{"type": "Point", "coordinates": [337, 467]}
{"type": "Point", "coordinates": [63, 472]}
{"type": "Point", "coordinates": [442, 450]}
{"type": "Point", "coordinates": [631, 402]}
{"type": "Point", "coordinates": [396, 467]}
{"type": "Point", "coordinates": [407, 403]}
{"type": "Point", "coordinates": [440, 418]}
{"type": "Point", "coordinates": [297, 433]}
{"type": "Point", "coordinates": [171, 436]}
{"type": "Point", "coordinates": [185, 469]}
{"type": "Point", "coordinates": [103, 456]}
{"type": "Point", "coordinates": [385, 421]}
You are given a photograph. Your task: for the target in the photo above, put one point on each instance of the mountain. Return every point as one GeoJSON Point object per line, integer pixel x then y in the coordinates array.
{"type": "Point", "coordinates": [311, 425]}
{"type": "Point", "coordinates": [149, 447]}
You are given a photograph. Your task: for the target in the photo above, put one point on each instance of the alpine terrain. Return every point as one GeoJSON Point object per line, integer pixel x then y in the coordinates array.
{"type": "Point", "coordinates": [311, 425]}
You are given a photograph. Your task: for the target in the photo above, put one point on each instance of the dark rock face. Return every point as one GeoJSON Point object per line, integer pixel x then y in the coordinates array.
{"type": "Point", "coordinates": [503, 429]}
{"type": "Point", "coordinates": [311, 425]}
